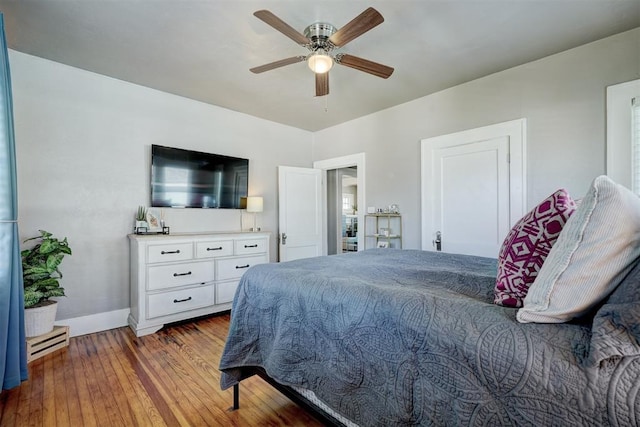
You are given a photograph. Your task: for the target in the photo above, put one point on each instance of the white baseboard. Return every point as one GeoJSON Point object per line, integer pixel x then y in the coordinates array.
{"type": "Point", "coordinates": [95, 322]}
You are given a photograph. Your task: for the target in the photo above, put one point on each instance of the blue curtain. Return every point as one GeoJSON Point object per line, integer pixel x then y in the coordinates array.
{"type": "Point", "coordinates": [13, 353]}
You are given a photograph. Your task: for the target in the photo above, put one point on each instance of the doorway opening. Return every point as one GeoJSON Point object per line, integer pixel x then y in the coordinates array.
{"type": "Point", "coordinates": [343, 176]}
{"type": "Point", "coordinates": [342, 210]}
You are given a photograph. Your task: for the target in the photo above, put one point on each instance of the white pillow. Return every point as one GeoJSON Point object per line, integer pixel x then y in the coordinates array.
{"type": "Point", "coordinates": [593, 253]}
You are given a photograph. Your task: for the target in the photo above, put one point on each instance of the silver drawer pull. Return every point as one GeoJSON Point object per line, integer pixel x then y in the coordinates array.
{"type": "Point", "coordinates": [182, 300]}
{"type": "Point", "coordinates": [181, 274]}
{"type": "Point", "coordinates": [251, 246]}
{"type": "Point", "coordinates": [215, 249]}
{"type": "Point", "coordinates": [177, 251]}
{"type": "Point", "coordinates": [243, 266]}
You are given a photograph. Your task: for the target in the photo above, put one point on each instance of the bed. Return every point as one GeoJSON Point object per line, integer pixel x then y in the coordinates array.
{"type": "Point", "coordinates": [406, 337]}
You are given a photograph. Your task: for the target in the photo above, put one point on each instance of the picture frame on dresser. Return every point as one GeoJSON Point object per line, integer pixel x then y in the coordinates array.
{"type": "Point", "coordinates": [153, 222]}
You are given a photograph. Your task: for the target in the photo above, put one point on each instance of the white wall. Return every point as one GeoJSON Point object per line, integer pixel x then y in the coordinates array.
{"type": "Point", "coordinates": [83, 142]}
{"type": "Point", "coordinates": [83, 145]}
{"type": "Point", "coordinates": [561, 96]}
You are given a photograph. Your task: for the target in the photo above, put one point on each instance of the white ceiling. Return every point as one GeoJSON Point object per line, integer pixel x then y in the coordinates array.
{"type": "Point", "coordinates": [203, 49]}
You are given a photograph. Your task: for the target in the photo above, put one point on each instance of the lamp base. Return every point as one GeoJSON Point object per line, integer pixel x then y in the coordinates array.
{"type": "Point", "coordinates": [255, 227]}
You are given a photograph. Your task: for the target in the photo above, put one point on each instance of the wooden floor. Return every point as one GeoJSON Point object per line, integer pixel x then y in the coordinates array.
{"type": "Point", "coordinates": [169, 378]}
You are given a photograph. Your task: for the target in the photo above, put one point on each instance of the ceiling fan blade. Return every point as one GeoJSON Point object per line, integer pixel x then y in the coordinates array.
{"type": "Point", "coordinates": [277, 64]}
{"type": "Point", "coordinates": [322, 84]}
{"type": "Point", "coordinates": [364, 65]}
{"type": "Point", "coordinates": [277, 23]}
{"type": "Point", "coordinates": [356, 27]}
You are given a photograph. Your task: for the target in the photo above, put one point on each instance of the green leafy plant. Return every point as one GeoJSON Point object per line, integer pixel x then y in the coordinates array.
{"type": "Point", "coordinates": [40, 269]}
{"type": "Point", "coordinates": [142, 214]}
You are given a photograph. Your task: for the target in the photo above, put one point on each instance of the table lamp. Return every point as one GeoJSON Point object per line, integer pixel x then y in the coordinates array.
{"type": "Point", "coordinates": [255, 206]}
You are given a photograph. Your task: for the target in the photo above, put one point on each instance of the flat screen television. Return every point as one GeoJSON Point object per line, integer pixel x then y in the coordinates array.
{"type": "Point", "coordinates": [192, 179]}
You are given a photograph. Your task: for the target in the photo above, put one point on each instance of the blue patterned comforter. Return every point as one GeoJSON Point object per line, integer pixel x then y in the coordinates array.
{"type": "Point", "coordinates": [404, 337]}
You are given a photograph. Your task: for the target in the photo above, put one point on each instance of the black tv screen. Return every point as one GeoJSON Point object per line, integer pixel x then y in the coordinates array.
{"type": "Point", "coordinates": [192, 179]}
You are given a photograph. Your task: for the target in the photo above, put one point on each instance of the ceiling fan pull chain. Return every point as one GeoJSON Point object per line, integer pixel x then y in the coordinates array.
{"type": "Point", "coordinates": [326, 104]}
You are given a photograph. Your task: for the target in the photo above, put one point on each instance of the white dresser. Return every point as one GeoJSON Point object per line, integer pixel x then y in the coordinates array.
{"type": "Point", "coordinates": [180, 276]}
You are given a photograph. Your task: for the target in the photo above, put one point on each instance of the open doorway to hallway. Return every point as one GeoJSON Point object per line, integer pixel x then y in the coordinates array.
{"type": "Point", "coordinates": [342, 210]}
{"type": "Point", "coordinates": [354, 165]}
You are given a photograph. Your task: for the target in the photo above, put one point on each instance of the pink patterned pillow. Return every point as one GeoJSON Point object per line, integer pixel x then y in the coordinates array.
{"type": "Point", "coordinates": [527, 245]}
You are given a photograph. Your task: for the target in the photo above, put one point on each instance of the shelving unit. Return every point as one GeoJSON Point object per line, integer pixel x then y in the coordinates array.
{"type": "Point", "coordinates": [383, 230]}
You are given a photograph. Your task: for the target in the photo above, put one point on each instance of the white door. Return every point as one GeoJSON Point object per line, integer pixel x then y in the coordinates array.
{"type": "Point", "coordinates": [473, 188]}
{"type": "Point", "coordinates": [300, 212]}
{"type": "Point", "coordinates": [471, 209]}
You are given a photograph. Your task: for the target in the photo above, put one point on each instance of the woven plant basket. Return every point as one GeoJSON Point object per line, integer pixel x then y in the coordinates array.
{"type": "Point", "coordinates": [39, 320]}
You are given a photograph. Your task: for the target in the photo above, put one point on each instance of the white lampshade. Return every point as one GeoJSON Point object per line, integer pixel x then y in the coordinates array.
{"type": "Point", "coordinates": [254, 204]}
{"type": "Point", "coordinates": [320, 62]}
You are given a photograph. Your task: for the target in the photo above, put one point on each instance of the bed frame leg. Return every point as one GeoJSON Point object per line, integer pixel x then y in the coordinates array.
{"type": "Point", "coordinates": [236, 396]}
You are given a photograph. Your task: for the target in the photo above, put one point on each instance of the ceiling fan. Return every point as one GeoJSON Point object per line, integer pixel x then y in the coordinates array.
{"type": "Point", "coordinates": [322, 39]}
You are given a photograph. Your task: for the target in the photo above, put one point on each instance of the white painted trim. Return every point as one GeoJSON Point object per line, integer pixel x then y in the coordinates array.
{"type": "Point", "coordinates": [95, 322]}
{"type": "Point", "coordinates": [358, 160]}
{"type": "Point", "coordinates": [619, 131]}
{"type": "Point", "coordinates": [516, 130]}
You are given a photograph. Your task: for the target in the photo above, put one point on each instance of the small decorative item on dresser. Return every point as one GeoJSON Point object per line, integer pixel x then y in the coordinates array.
{"type": "Point", "coordinates": [141, 225]}
{"type": "Point", "coordinates": [153, 222]}
{"type": "Point", "coordinates": [163, 225]}
{"type": "Point", "coordinates": [149, 221]}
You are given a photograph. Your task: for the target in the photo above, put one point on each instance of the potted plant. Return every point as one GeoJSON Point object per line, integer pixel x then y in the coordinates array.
{"type": "Point", "coordinates": [141, 218]}
{"type": "Point", "coordinates": [41, 276]}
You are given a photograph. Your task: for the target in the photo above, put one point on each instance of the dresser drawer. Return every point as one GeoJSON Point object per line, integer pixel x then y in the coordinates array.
{"type": "Point", "coordinates": [234, 268]}
{"type": "Point", "coordinates": [186, 273]}
{"type": "Point", "coordinates": [178, 301]}
{"type": "Point", "coordinates": [214, 248]}
{"type": "Point", "coordinates": [225, 291]}
{"type": "Point", "coordinates": [250, 246]}
{"type": "Point", "coordinates": [169, 252]}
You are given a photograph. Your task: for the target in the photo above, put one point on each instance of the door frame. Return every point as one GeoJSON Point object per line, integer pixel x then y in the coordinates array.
{"type": "Point", "coordinates": [357, 160]}
{"type": "Point", "coordinates": [619, 165]}
{"type": "Point", "coordinates": [516, 130]}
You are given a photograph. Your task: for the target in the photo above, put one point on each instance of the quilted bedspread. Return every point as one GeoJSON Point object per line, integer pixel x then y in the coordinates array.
{"type": "Point", "coordinates": [404, 337]}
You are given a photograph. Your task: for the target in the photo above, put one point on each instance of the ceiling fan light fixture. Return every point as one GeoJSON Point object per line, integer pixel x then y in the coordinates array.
{"type": "Point", "coordinates": [320, 39]}
{"type": "Point", "coordinates": [319, 62]}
